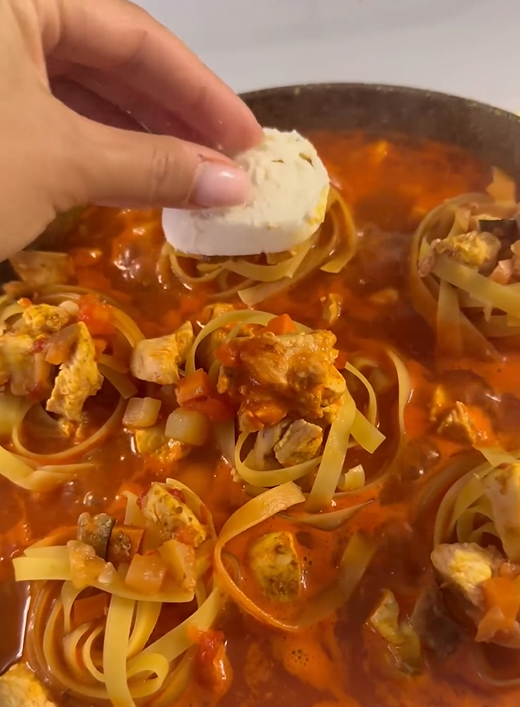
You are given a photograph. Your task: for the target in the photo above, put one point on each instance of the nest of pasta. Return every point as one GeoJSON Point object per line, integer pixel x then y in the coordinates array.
{"type": "Point", "coordinates": [258, 277]}
{"type": "Point", "coordinates": [465, 270]}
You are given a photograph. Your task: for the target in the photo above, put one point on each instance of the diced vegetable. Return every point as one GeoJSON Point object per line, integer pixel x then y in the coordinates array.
{"type": "Point", "coordinates": [180, 559]}
{"type": "Point", "coordinates": [502, 599]}
{"type": "Point", "coordinates": [97, 315]}
{"type": "Point", "coordinates": [197, 385]}
{"type": "Point", "coordinates": [141, 412]}
{"type": "Point", "coordinates": [146, 574]}
{"type": "Point", "coordinates": [90, 608]}
{"type": "Point", "coordinates": [188, 426]}
{"type": "Point", "coordinates": [197, 392]}
{"type": "Point", "coordinates": [85, 565]}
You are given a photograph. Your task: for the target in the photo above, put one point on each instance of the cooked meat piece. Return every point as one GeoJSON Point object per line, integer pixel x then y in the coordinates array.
{"type": "Point", "coordinates": [294, 372]}
{"type": "Point", "coordinates": [461, 386]}
{"type": "Point", "coordinates": [503, 490]}
{"type": "Point", "coordinates": [24, 367]}
{"type": "Point", "coordinates": [152, 442]}
{"type": "Point", "coordinates": [158, 360]}
{"type": "Point", "coordinates": [331, 311]}
{"type": "Point", "coordinates": [42, 319]}
{"type": "Point", "coordinates": [39, 268]}
{"type": "Point", "coordinates": [19, 687]}
{"type": "Point", "coordinates": [401, 638]}
{"type": "Point", "coordinates": [460, 426]}
{"type": "Point", "coordinates": [96, 531]}
{"type": "Point", "coordinates": [165, 506]}
{"type": "Point", "coordinates": [433, 624]}
{"type": "Point", "coordinates": [212, 311]}
{"type": "Point", "coordinates": [465, 566]}
{"type": "Point", "coordinates": [300, 442]}
{"type": "Point", "coordinates": [477, 250]}
{"type": "Point", "coordinates": [265, 441]}
{"type": "Point", "coordinates": [276, 566]}
{"type": "Point", "coordinates": [77, 379]}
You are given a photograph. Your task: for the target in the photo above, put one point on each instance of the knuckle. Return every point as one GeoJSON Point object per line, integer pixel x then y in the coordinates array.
{"type": "Point", "coordinates": [162, 167]}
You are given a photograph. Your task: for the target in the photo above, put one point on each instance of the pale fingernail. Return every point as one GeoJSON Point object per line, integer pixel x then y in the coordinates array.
{"type": "Point", "coordinates": [219, 185]}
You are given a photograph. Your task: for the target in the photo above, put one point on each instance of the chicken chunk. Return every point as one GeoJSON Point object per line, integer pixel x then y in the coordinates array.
{"type": "Point", "coordinates": [474, 249]}
{"type": "Point", "coordinates": [25, 368]}
{"type": "Point", "coordinates": [287, 443]}
{"type": "Point", "coordinates": [276, 567]}
{"type": "Point", "coordinates": [42, 319]}
{"type": "Point", "coordinates": [401, 638]}
{"type": "Point", "coordinates": [153, 443]}
{"type": "Point", "coordinates": [503, 490]}
{"type": "Point", "coordinates": [331, 310]}
{"type": "Point", "coordinates": [294, 373]}
{"type": "Point", "coordinates": [263, 451]}
{"type": "Point", "coordinates": [158, 360]}
{"type": "Point", "coordinates": [460, 426]}
{"type": "Point", "coordinates": [166, 507]}
{"type": "Point", "coordinates": [77, 379]}
{"type": "Point", "coordinates": [19, 687]}
{"type": "Point", "coordinates": [39, 268]}
{"type": "Point", "coordinates": [300, 442]}
{"type": "Point", "coordinates": [465, 566]}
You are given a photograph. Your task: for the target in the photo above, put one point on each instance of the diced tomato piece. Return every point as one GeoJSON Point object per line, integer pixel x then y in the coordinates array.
{"type": "Point", "coordinates": [209, 655]}
{"type": "Point", "coordinates": [216, 410]}
{"type": "Point", "coordinates": [280, 325]}
{"type": "Point", "coordinates": [341, 360]}
{"type": "Point", "coordinates": [226, 355]}
{"type": "Point", "coordinates": [504, 593]}
{"type": "Point", "coordinates": [97, 315]}
{"type": "Point", "coordinates": [24, 302]}
{"type": "Point", "coordinates": [197, 392]}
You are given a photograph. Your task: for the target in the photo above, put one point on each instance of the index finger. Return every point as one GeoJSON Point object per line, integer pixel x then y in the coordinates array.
{"type": "Point", "coordinates": [123, 40]}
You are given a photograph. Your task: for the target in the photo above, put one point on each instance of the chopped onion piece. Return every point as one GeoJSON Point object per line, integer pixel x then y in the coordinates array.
{"type": "Point", "coordinates": [188, 427]}
{"type": "Point", "coordinates": [141, 412]}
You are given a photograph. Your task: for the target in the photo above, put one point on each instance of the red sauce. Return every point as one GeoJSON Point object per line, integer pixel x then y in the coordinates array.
{"type": "Point", "coordinates": [389, 185]}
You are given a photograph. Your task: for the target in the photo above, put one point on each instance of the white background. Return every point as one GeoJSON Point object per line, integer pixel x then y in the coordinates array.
{"type": "Point", "coordinates": [467, 47]}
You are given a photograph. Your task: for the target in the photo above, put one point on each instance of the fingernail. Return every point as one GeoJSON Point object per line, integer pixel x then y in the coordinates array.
{"type": "Point", "coordinates": [219, 185]}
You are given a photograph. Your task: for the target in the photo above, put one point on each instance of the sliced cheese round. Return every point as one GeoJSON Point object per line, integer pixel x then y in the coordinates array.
{"type": "Point", "coordinates": [285, 206]}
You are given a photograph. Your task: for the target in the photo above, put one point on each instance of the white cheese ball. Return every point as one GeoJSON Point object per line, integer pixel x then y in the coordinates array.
{"type": "Point", "coordinates": [285, 206]}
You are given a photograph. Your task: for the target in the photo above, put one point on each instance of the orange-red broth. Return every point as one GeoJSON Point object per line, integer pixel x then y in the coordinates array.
{"type": "Point", "coordinates": [389, 185]}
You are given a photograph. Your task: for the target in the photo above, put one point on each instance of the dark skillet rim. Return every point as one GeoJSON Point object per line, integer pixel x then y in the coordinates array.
{"type": "Point", "coordinates": [285, 90]}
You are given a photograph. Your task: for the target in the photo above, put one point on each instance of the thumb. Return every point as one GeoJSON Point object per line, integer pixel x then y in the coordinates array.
{"type": "Point", "coordinates": [127, 168]}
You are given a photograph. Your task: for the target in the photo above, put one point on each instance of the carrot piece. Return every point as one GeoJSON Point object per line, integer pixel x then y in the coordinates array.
{"type": "Point", "coordinates": [197, 385]}
{"type": "Point", "coordinates": [280, 325]}
{"type": "Point", "coordinates": [90, 608]}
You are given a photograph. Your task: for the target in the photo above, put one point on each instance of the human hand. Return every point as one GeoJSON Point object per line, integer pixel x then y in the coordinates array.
{"type": "Point", "coordinates": [67, 63]}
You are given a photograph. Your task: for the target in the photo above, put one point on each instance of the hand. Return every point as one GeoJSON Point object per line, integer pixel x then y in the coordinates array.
{"type": "Point", "coordinates": [65, 64]}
